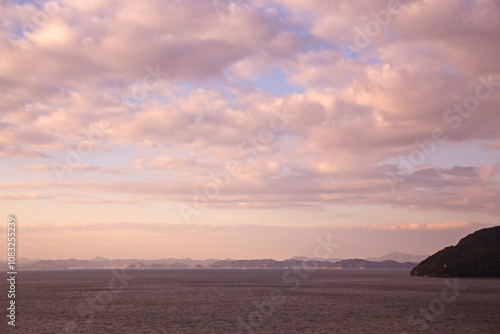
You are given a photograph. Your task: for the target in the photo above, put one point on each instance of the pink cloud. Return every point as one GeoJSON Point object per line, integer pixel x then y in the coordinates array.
{"type": "Point", "coordinates": [201, 106]}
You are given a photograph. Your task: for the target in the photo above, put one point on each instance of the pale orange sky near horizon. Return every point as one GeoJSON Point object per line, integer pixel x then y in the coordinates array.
{"type": "Point", "coordinates": [176, 129]}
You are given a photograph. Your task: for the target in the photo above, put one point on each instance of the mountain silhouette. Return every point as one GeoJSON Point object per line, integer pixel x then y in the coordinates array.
{"type": "Point", "coordinates": [476, 255]}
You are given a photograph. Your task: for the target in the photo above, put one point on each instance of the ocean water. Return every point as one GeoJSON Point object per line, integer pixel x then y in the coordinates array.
{"type": "Point", "coordinates": [251, 301]}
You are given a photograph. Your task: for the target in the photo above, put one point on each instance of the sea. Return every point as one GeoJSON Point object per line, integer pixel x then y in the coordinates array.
{"type": "Point", "coordinates": [222, 301]}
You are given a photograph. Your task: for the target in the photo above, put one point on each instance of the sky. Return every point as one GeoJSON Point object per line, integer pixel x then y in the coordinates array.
{"type": "Point", "coordinates": [248, 129]}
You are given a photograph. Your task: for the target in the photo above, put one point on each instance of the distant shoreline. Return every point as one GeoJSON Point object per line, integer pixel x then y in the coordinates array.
{"type": "Point", "coordinates": [71, 264]}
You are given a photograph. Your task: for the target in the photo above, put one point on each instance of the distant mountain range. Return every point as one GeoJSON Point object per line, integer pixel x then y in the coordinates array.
{"type": "Point", "coordinates": [399, 257]}
{"type": "Point", "coordinates": [305, 258]}
{"type": "Point", "coordinates": [396, 256]}
{"type": "Point", "coordinates": [343, 264]}
{"type": "Point", "coordinates": [103, 263]}
{"type": "Point", "coordinates": [171, 263]}
{"type": "Point", "coordinates": [188, 262]}
{"type": "Point", "coordinates": [476, 255]}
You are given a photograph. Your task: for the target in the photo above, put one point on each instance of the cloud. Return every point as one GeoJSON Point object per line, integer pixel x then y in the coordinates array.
{"type": "Point", "coordinates": [86, 167]}
{"type": "Point", "coordinates": [187, 81]}
{"type": "Point", "coordinates": [420, 226]}
{"type": "Point", "coordinates": [21, 196]}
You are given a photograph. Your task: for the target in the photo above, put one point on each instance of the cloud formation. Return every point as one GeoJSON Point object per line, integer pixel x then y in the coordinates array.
{"type": "Point", "coordinates": [144, 102]}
